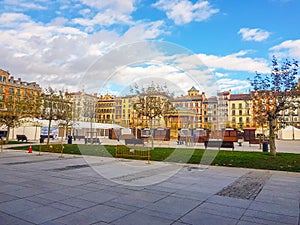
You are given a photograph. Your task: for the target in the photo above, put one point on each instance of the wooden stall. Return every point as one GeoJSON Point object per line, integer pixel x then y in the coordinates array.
{"type": "Point", "coordinates": [161, 134]}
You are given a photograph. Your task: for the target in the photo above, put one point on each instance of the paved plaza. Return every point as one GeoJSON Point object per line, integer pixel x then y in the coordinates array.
{"type": "Point", "coordinates": [50, 190]}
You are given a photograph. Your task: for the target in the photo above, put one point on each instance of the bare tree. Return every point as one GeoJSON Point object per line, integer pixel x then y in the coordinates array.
{"type": "Point", "coordinates": [54, 107]}
{"type": "Point", "coordinates": [274, 93]}
{"type": "Point", "coordinates": [152, 102]}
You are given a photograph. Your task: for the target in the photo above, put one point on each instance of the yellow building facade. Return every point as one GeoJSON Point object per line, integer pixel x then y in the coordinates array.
{"type": "Point", "coordinates": [106, 109]}
{"type": "Point", "coordinates": [240, 111]}
{"type": "Point", "coordinates": [19, 97]}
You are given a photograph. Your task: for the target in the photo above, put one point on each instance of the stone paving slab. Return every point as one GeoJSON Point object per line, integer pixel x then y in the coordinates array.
{"type": "Point", "coordinates": [40, 192]}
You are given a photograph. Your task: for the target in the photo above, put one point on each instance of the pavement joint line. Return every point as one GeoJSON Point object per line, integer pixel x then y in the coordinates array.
{"type": "Point", "coordinates": [179, 219]}
{"type": "Point", "coordinates": [19, 218]}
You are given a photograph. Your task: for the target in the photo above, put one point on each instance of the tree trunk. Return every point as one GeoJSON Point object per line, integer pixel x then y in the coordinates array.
{"type": "Point", "coordinates": [272, 136]}
{"type": "Point", "coordinates": [7, 134]}
{"type": "Point", "coordinates": [49, 126]}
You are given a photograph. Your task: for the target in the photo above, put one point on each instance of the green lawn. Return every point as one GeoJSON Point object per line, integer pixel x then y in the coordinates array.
{"type": "Point", "coordinates": [256, 160]}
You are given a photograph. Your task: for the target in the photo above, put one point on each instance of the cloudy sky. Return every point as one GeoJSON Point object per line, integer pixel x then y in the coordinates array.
{"type": "Point", "coordinates": [106, 46]}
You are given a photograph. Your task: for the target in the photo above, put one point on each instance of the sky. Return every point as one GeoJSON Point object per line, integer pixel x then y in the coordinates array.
{"type": "Point", "coordinates": [108, 46]}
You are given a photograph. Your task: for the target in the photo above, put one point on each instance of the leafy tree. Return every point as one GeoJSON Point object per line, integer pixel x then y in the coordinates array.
{"type": "Point", "coordinates": [55, 107]}
{"type": "Point", "coordinates": [273, 93]}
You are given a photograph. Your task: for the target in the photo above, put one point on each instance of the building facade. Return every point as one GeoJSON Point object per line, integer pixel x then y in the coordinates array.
{"type": "Point", "coordinates": [18, 97]}
{"type": "Point", "coordinates": [84, 106]}
{"type": "Point", "coordinates": [223, 106]}
{"type": "Point", "coordinates": [190, 107]}
{"type": "Point", "coordinates": [239, 111]}
{"type": "Point", "coordinates": [210, 113]}
{"type": "Point", "coordinates": [106, 109]}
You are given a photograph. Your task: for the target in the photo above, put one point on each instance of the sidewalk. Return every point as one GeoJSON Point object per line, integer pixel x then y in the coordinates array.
{"type": "Point", "coordinates": [73, 190]}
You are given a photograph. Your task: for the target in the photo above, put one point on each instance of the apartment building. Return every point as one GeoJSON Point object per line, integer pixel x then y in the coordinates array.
{"type": "Point", "coordinates": [18, 97]}
{"type": "Point", "coordinates": [84, 105]}
{"type": "Point", "coordinates": [239, 111]}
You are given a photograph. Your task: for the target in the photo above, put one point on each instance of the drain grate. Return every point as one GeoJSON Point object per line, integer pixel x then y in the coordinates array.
{"type": "Point", "coordinates": [247, 186]}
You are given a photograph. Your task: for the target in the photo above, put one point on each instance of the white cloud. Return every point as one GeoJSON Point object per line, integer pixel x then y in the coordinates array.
{"type": "Point", "coordinates": [23, 5]}
{"type": "Point", "coordinates": [184, 11]}
{"type": "Point", "coordinates": [236, 62]}
{"type": "Point", "coordinates": [107, 13]}
{"type": "Point", "coordinates": [58, 54]}
{"type": "Point", "coordinates": [143, 31]}
{"type": "Point", "coordinates": [255, 34]}
{"type": "Point", "coordinates": [121, 6]}
{"type": "Point", "coordinates": [105, 18]}
{"type": "Point", "coordinates": [236, 86]}
{"type": "Point", "coordinates": [218, 74]}
{"type": "Point", "coordinates": [289, 48]}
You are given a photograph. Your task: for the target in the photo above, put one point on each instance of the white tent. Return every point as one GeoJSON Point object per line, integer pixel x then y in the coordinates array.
{"type": "Point", "coordinates": [289, 133]}
{"type": "Point", "coordinates": [78, 125]}
{"type": "Point", "coordinates": [33, 128]}
{"type": "Point", "coordinates": [98, 129]}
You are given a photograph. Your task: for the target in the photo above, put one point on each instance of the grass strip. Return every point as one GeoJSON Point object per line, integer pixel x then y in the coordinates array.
{"type": "Point", "coordinates": [256, 160]}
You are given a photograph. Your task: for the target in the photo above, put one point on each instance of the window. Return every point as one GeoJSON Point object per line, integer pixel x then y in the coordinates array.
{"type": "Point", "coordinates": [233, 105]}
{"type": "Point", "coordinates": [240, 105]}
{"type": "Point", "coordinates": [247, 105]}
{"type": "Point", "coordinates": [247, 119]}
{"type": "Point", "coordinates": [240, 119]}
{"type": "Point", "coordinates": [233, 119]}
{"type": "Point", "coordinates": [233, 112]}
{"type": "Point", "coordinates": [240, 112]}
{"type": "Point", "coordinates": [11, 90]}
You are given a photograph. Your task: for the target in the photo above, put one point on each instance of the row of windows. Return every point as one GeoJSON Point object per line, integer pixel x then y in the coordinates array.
{"type": "Point", "coordinates": [240, 120]}
{"type": "Point", "coordinates": [105, 104]}
{"type": "Point", "coordinates": [12, 91]}
{"type": "Point", "coordinates": [106, 117]}
{"type": "Point", "coordinates": [105, 110]}
{"type": "Point", "coordinates": [241, 112]}
{"type": "Point", "coordinates": [2, 78]}
{"type": "Point", "coordinates": [240, 105]}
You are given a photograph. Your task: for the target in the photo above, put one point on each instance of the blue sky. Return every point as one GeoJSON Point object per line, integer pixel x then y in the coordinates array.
{"type": "Point", "coordinates": [64, 43]}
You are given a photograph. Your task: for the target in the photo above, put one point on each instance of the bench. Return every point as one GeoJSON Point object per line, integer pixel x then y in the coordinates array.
{"type": "Point", "coordinates": [92, 140]}
{"type": "Point", "coordinates": [219, 144]}
{"type": "Point", "coordinates": [21, 137]}
{"type": "Point", "coordinates": [134, 141]}
{"type": "Point", "coordinates": [46, 136]}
